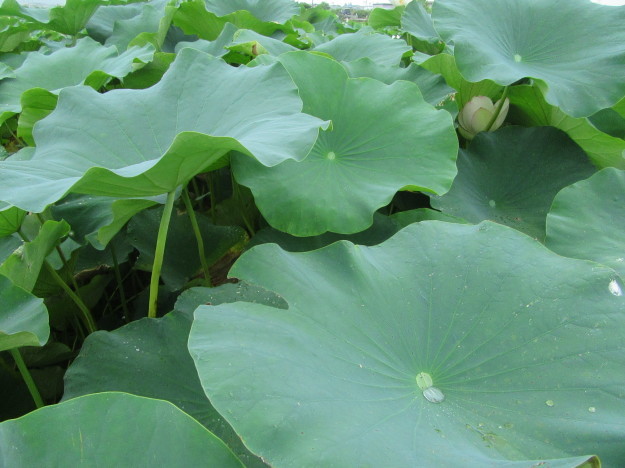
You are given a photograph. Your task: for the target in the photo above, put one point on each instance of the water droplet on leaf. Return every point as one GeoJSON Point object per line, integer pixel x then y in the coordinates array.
{"type": "Point", "coordinates": [615, 288]}
{"type": "Point", "coordinates": [433, 395]}
{"type": "Point", "coordinates": [517, 58]}
{"type": "Point", "coordinates": [549, 403]}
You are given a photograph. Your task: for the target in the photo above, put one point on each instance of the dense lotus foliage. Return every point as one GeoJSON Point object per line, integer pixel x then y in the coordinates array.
{"type": "Point", "coordinates": [255, 233]}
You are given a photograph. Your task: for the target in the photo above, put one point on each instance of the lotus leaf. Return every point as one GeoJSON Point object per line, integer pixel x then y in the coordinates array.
{"type": "Point", "coordinates": [381, 49]}
{"type": "Point", "coordinates": [587, 220]}
{"type": "Point", "coordinates": [530, 108]}
{"type": "Point", "coordinates": [68, 19]}
{"type": "Point", "coordinates": [511, 176]}
{"type": "Point", "coordinates": [156, 350]}
{"type": "Point", "coordinates": [147, 142]}
{"type": "Point", "coordinates": [376, 147]}
{"type": "Point", "coordinates": [556, 42]}
{"type": "Point", "coordinates": [88, 62]}
{"type": "Point", "coordinates": [107, 428]}
{"type": "Point", "coordinates": [23, 317]}
{"type": "Point", "coordinates": [446, 345]}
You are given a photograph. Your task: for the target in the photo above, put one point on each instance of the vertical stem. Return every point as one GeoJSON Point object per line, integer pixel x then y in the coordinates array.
{"type": "Point", "coordinates": [61, 256]}
{"type": "Point", "coordinates": [161, 240]}
{"type": "Point", "coordinates": [198, 237]}
{"type": "Point", "coordinates": [28, 379]}
{"type": "Point", "coordinates": [498, 110]}
{"type": "Point", "coordinates": [120, 283]}
{"type": "Point", "coordinates": [86, 313]}
{"type": "Point", "coordinates": [242, 209]}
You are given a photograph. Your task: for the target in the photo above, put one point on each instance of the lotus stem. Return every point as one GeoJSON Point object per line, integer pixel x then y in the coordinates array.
{"type": "Point", "coordinates": [493, 119]}
{"type": "Point", "coordinates": [28, 378]}
{"type": "Point", "coordinates": [86, 313]}
{"type": "Point", "coordinates": [159, 253]}
{"type": "Point", "coordinates": [198, 237]}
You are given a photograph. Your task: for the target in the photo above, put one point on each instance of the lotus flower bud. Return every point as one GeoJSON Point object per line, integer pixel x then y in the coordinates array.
{"type": "Point", "coordinates": [477, 114]}
{"type": "Point", "coordinates": [397, 3]}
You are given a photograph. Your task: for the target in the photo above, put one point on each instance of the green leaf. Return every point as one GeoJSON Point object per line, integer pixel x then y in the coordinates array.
{"type": "Point", "coordinates": [70, 18]}
{"type": "Point", "coordinates": [445, 64]}
{"type": "Point", "coordinates": [495, 319]}
{"type": "Point", "coordinates": [277, 11]}
{"type": "Point", "coordinates": [432, 86]}
{"type": "Point", "coordinates": [262, 44]}
{"type": "Point", "coordinates": [382, 228]}
{"type": "Point", "coordinates": [376, 147]}
{"type": "Point", "coordinates": [381, 17]}
{"type": "Point", "coordinates": [379, 48]}
{"type": "Point", "coordinates": [181, 261]}
{"type": "Point", "coordinates": [557, 42]}
{"type": "Point", "coordinates": [587, 220]}
{"type": "Point", "coordinates": [216, 48]}
{"type": "Point", "coordinates": [136, 143]}
{"type": "Point", "coordinates": [156, 349]}
{"type": "Point", "coordinates": [23, 265]}
{"type": "Point", "coordinates": [23, 317]}
{"type": "Point", "coordinates": [10, 220]}
{"type": "Point", "coordinates": [530, 108]}
{"type": "Point", "coordinates": [98, 219]}
{"type": "Point", "coordinates": [88, 62]}
{"type": "Point", "coordinates": [511, 176]}
{"type": "Point", "coordinates": [108, 428]}
{"type": "Point", "coordinates": [207, 18]}
{"type": "Point", "coordinates": [418, 23]}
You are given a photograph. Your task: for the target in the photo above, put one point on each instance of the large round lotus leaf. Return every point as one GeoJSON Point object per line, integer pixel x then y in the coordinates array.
{"type": "Point", "coordinates": [149, 357]}
{"type": "Point", "coordinates": [447, 345]}
{"type": "Point", "coordinates": [587, 220]}
{"type": "Point", "coordinates": [511, 176]}
{"type": "Point", "coordinates": [23, 317]}
{"type": "Point", "coordinates": [432, 86]}
{"type": "Point", "coordinates": [529, 108]}
{"type": "Point", "coordinates": [377, 47]}
{"type": "Point", "coordinates": [376, 146]}
{"type": "Point", "coordinates": [128, 143]}
{"type": "Point", "coordinates": [206, 18]}
{"type": "Point", "coordinates": [277, 11]}
{"type": "Point", "coordinates": [70, 18]}
{"type": "Point", "coordinates": [573, 46]}
{"type": "Point", "coordinates": [88, 62]}
{"type": "Point", "coordinates": [111, 429]}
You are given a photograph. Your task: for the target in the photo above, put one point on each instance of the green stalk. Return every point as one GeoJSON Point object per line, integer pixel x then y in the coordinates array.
{"type": "Point", "coordinates": [198, 236]}
{"type": "Point", "coordinates": [498, 110]}
{"type": "Point", "coordinates": [28, 379]}
{"type": "Point", "coordinates": [61, 256]}
{"type": "Point", "coordinates": [87, 317]}
{"type": "Point", "coordinates": [161, 240]}
{"type": "Point", "coordinates": [86, 313]}
{"type": "Point", "coordinates": [120, 284]}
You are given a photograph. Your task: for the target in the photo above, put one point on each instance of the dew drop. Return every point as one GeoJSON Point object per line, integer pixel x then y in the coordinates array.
{"type": "Point", "coordinates": [592, 409]}
{"type": "Point", "coordinates": [331, 155]}
{"type": "Point", "coordinates": [549, 403]}
{"type": "Point", "coordinates": [424, 380]}
{"type": "Point", "coordinates": [492, 203]}
{"type": "Point", "coordinates": [517, 58]}
{"type": "Point", "coordinates": [615, 288]}
{"type": "Point", "coordinates": [433, 395]}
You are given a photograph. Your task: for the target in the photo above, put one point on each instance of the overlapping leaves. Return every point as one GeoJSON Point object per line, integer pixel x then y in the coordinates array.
{"type": "Point", "coordinates": [147, 142]}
